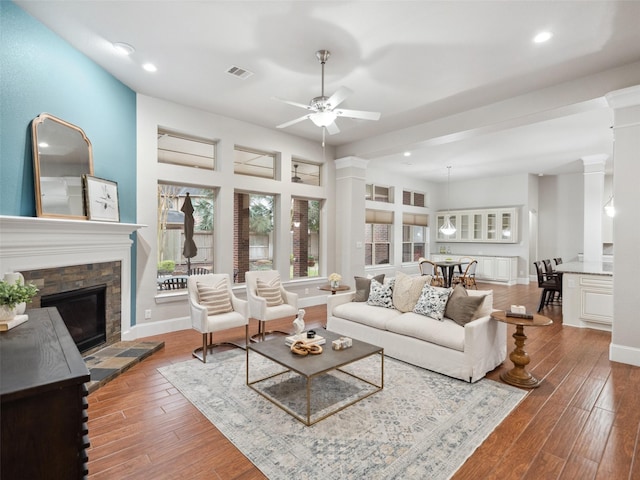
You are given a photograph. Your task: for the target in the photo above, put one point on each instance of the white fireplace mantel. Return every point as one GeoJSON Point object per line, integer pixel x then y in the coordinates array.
{"type": "Point", "coordinates": [30, 243]}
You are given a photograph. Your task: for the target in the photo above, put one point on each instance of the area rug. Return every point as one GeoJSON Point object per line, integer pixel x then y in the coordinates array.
{"type": "Point", "coordinates": [421, 425]}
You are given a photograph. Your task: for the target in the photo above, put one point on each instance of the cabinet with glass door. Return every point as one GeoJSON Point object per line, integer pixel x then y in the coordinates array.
{"type": "Point", "coordinates": [491, 225]}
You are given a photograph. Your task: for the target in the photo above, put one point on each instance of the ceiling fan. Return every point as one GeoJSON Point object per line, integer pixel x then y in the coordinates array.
{"type": "Point", "coordinates": [296, 178]}
{"type": "Point", "coordinates": [324, 109]}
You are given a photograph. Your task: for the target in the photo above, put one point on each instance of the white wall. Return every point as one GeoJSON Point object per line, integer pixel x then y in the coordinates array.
{"type": "Point", "coordinates": [561, 218]}
{"type": "Point", "coordinates": [170, 312]}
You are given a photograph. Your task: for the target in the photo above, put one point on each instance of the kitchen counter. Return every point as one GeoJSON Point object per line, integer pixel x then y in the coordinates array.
{"type": "Point", "coordinates": [586, 268]}
{"type": "Point", "coordinates": [587, 294]}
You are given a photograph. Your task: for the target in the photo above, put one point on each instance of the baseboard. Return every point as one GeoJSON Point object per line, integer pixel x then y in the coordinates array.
{"type": "Point", "coordinates": [156, 328]}
{"type": "Point", "coordinates": [624, 354]}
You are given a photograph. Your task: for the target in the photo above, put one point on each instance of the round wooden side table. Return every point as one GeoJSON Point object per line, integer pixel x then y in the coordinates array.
{"type": "Point", "coordinates": [518, 375]}
{"type": "Point", "coordinates": [333, 290]}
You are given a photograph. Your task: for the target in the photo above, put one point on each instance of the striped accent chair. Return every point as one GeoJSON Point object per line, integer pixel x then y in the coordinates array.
{"type": "Point", "coordinates": [268, 300]}
{"type": "Point", "coordinates": [213, 307]}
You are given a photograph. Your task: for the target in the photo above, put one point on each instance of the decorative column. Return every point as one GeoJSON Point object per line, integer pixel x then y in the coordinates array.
{"type": "Point", "coordinates": [350, 217]}
{"type": "Point", "coordinates": [593, 204]}
{"type": "Point", "coordinates": [625, 336]}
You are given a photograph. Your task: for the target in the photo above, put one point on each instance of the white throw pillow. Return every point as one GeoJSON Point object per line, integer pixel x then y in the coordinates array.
{"type": "Point", "coordinates": [432, 302]}
{"type": "Point", "coordinates": [270, 291]}
{"type": "Point", "coordinates": [215, 297]}
{"type": "Point", "coordinates": [381, 294]}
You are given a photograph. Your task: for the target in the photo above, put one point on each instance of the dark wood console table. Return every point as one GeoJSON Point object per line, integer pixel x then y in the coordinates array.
{"type": "Point", "coordinates": [43, 400]}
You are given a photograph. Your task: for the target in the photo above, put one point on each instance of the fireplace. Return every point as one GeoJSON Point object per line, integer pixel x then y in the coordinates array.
{"type": "Point", "coordinates": [61, 255]}
{"type": "Point", "coordinates": [83, 312]}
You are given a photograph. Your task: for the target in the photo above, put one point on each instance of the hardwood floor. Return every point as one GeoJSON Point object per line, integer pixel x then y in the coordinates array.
{"type": "Point", "coordinates": [581, 423]}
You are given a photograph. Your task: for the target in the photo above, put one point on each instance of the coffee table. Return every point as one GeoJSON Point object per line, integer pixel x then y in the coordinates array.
{"type": "Point", "coordinates": [312, 366]}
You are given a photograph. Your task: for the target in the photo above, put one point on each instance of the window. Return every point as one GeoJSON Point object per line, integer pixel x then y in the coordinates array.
{"type": "Point", "coordinates": [378, 193]}
{"type": "Point", "coordinates": [304, 172]}
{"type": "Point", "coordinates": [305, 238]}
{"type": "Point", "coordinates": [173, 267]}
{"type": "Point", "coordinates": [377, 237]}
{"type": "Point", "coordinates": [413, 198]}
{"type": "Point", "coordinates": [253, 233]}
{"type": "Point", "coordinates": [253, 162]}
{"type": "Point", "coordinates": [414, 237]}
{"type": "Point", "coordinates": [180, 149]}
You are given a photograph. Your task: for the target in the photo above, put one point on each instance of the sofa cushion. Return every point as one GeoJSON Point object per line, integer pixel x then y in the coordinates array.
{"type": "Point", "coordinates": [407, 290]}
{"type": "Point", "coordinates": [381, 294]}
{"type": "Point", "coordinates": [359, 312]}
{"type": "Point", "coordinates": [461, 308]}
{"type": "Point", "coordinates": [445, 333]}
{"type": "Point", "coordinates": [486, 307]}
{"type": "Point", "coordinates": [432, 302]}
{"type": "Point", "coordinates": [363, 285]}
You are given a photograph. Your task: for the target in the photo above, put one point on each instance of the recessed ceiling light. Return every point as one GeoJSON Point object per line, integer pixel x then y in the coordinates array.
{"type": "Point", "coordinates": [123, 48]}
{"type": "Point", "coordinates": [542, 37]}
{"type": "Point", "coordinates": [407, 154]}
{"type": "Point", "coordinates": [150, 67]}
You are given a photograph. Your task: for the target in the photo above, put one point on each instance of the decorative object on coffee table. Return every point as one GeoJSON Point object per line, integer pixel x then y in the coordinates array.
{"type": "Point", "coordinates": [518, 375]}
{"type": "Point", "coordinates": [298, 323]}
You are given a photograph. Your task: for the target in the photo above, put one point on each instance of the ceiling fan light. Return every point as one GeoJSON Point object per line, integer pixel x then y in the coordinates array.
{"type": "Point", "coordinates": [323, 119]}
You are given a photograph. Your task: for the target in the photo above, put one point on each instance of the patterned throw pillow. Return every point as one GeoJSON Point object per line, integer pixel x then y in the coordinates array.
{"type": "Point", "coordinates": [407, 290]}
{"type": "Point", "coordinates": [381, 294]}
{"type": "Point", "coordinates": [461, 308]}
{"type": "Point", "coordinates": [363, 286]}
{"type": "Point", "coordinates": [432, 302]}
{"type": "Point", "coordinates": [215, 297]}
{"type": "Point", "coordinates": [270, 291]}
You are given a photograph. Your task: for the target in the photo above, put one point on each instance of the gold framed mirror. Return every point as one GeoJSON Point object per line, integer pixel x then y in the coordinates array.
{"type": "Point", "coordinates": [62, 154]}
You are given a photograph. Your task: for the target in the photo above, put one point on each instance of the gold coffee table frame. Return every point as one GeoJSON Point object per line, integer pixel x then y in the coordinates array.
{"type": "Point", "coordinates": [311, 366]}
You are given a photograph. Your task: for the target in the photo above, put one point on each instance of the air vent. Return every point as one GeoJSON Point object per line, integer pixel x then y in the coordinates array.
{"type": "Point", "coordinates": [239, 72]}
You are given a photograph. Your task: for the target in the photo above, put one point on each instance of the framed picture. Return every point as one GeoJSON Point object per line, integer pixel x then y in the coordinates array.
{"type": "Point", "coordinates": [101, 197]}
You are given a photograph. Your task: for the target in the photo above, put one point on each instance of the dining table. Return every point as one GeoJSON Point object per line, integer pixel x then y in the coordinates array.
{"type": "Point", "coordinates": [448, 267]}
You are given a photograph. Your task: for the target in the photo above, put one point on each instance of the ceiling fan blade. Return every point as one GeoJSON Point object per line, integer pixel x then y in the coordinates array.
{"type": "Point", "coordinates": [337, 98]}
{"type": "Point", "coordinates": [332, 128]}
{"type": "Point", "coordinates": [295, 104]}
{"type": "Point", "coordinates": [360, 114]}
{"type": "Point", "coordinates": [292, 122]}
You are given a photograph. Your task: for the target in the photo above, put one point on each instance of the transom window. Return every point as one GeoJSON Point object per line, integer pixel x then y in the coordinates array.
{"type": "Point", "coordinates": [178, 149]}
{"type": "Point", "coordinates": [305, 172]}
{"type": "Point", "coordinates": [255, 163]}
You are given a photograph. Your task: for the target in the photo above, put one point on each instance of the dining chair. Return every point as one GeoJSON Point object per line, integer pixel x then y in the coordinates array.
{"type": "Point", "coordinates": [464, 263]}
{"type": "Point", "coordinates": [550, 285]}
{"type": "Point", "coordinates": [427, 267]}
{"type": "Point", "coordinates": [468, 278]}
{"type": "Point", "coordinates": [213, 308]}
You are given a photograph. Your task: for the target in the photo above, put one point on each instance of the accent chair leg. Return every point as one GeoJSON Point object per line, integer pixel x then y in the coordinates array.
{"type": "Point", "coordinates": [204, 348]}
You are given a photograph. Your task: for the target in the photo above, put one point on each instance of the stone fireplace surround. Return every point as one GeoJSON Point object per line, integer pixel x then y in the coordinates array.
{"type": "Point", "coordinates": [62, 245]}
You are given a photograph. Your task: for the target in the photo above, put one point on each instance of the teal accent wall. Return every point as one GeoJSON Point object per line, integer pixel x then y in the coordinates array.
{"type": "Point", "coordinates": [40, 72]}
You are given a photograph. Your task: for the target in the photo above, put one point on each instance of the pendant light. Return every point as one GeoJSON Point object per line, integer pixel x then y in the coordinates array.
{"type": "Point", "coordinates": [448, 228]}
{"type": "Point", "coordinates": [609, 209]}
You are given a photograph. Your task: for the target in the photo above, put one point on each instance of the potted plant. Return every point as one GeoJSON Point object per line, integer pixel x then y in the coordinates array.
{"type": "Point", "coordinates": [12, 295]}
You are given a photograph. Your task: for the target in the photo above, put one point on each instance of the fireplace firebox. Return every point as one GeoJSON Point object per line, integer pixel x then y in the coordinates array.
{"type": "Point", "coordinates": [83, 312]}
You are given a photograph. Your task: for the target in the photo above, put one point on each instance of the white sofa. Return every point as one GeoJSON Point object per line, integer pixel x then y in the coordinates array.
{"type": "Point", "coordinates": [466, 352]}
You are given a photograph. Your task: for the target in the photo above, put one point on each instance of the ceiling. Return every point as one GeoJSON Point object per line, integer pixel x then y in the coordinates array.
{"type": "Point", "coordinates": [413, 61]}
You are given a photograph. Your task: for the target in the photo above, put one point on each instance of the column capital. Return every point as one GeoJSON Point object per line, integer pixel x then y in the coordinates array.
{"type": "Point", "coordinates": [625, 97]}
{"type": "Point", "coordinates": [346, 162]}
{"type": "Point", "coordinates": [594, 163]}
